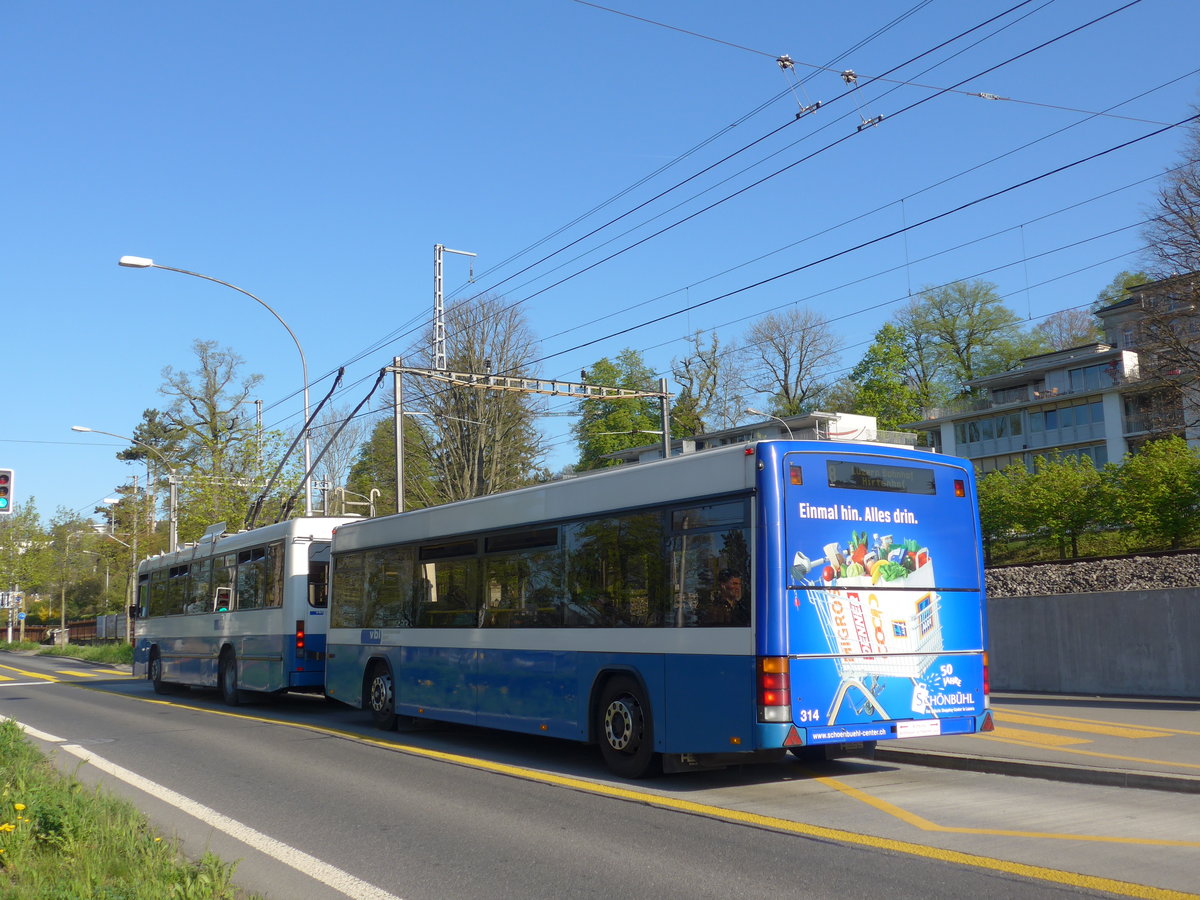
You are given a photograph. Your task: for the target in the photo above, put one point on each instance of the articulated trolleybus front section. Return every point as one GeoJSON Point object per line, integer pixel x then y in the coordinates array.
{"type": "Point", "coordinates": [872, 578]}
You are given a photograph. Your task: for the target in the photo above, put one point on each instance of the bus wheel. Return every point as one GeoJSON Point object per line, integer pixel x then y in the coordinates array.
{"type": "Point", "coordinates": [381, 697]}
{"type": "Point", "coordinates": [228, 679]}
{"type": "Point", "coordinates": [155, 674]}
{"type": "Point", "coordinates": [623, 725]}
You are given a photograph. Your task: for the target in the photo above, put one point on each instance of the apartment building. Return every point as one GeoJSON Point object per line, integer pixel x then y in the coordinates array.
{"type": "Point", "coordinates": [1094, 400]}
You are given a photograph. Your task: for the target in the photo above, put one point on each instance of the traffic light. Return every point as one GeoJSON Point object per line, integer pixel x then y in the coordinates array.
{"type": "Point", "coordinates": [6, 495]}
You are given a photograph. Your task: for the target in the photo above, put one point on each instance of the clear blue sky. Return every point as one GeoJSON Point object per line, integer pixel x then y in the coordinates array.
{"type": "Point", "coordinates": [314, 152]}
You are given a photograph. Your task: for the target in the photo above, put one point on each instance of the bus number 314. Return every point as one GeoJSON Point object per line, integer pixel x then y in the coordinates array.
{"type": "Point", "coordinates": [808, 715]}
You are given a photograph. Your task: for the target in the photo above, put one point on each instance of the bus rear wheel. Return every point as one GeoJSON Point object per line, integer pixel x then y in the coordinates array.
{"type": "Point", "coordinates": [227, 677]}
{"type": "Point", "coordinates": [381, 697]}
{"type": "Point", "coordinates": [624, 728]}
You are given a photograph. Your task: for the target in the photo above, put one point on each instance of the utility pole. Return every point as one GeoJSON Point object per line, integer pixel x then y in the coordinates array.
{"type": "Point", "coordinates": [398, 412]}
{"type": "Point", "coordinates": [439, 312]}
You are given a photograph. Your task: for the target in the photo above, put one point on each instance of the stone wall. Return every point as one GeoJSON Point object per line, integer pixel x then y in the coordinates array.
{"type": "Point", "coordinates": [1116, 626]}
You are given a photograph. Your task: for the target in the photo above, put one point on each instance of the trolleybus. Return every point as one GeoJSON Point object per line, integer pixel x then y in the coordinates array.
{"type": "Point", "coordinates": [723, 606]}
{"type": "Point", "coordinates": [239, 612]}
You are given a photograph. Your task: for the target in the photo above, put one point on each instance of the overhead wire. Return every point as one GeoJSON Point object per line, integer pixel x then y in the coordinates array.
{"type": "Point", "coordinates": [1019, 56]}
{"type": "Point", "coordinates": [394, 333]}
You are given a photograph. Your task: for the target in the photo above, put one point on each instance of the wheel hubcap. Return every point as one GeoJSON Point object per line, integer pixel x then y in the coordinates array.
{"type": "Point", "coordinates": [619, 719]}
{"type": "Point", "coordinates": [381, 693]}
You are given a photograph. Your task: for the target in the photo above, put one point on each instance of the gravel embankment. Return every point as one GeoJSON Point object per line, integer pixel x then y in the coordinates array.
{"type": "Point", "coordinates": [1141, 573]}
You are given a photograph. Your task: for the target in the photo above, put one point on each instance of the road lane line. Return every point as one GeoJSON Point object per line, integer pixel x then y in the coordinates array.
{"type": "Point", "coordinates": [1033, 737]}
{"type": "Point", "coordinates": [926, 825]}
{"type": "Point", "coordinates": [27, 673]}
{"type": "Point", "coordinates": [1104, 722]}
{"type": "Point", "coordinates": [1093, 753]}
{"type": "Point", "coordinates": [285, 853]}
{"type": "Point", "coordinates": [91, 674]}
{"type": "Point", "coordinates": [1124, 731]}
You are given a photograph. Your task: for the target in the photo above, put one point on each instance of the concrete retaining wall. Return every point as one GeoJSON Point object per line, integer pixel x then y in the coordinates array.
{"type": "Point", "coordinates": [1138, 643]}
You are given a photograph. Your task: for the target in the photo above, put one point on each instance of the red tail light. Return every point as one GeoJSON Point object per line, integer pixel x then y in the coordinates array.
{"type": "Point", "coordinates": [299, 635]}
{"type": "Point", "coordinates": [987, 680]}
{"type": "Point", "coordinates": [774, 689]}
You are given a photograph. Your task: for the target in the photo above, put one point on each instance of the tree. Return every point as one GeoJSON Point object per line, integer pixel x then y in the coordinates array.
{"type": "Point", "coordinates": [336, 439]}
{"type": "Point", "coordinates": [1066, 497]}
{"type": "Point", "coordinates": [712, 396]}
{"type": "Point", "coordinates": [1002, 507]}
{"type": "Point", "coordinates": [1069, 328]}
{"type": "Point", "coordinates": [606, 426]}
{"type": "Point", "coordinates": [23, 564]}
{"type": "Point", "coordinates": [788, 357]}
{"type": "Point", "coordinates": [1173, 233]}
{"type": "Point", "coordinates": [966, 332]}
{"type": "Point", "coordinates": [374, 467]}
{"type": "Point", "coordinates": [480, 441]}
{"type": "Point", "coordinates": [1158, 491]}
{"type": "Point", "coordinates": [882, 386]}
{"type": "Point", "coordinates": [1118, 289]}
{"type": "Point", "coordinates": [221, 454]}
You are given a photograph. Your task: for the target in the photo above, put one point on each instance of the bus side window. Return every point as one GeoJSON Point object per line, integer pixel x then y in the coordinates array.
{"type": "Point", "coordinates": [222, 599]}
{"type": "Point", "coordinates": [318, 585]}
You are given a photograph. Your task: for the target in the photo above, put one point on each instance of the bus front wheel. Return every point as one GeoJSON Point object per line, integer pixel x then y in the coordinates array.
{"type": "Point", "coordinates": [381, 697]}
{"type": "Point", "coordinates": [625, 731]}
{"type": "Point", "coordinates": [228, 678]}
{"type": "Point", "coordinates": [155, 674]}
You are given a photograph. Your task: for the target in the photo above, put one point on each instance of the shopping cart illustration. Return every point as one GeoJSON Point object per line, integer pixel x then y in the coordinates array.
{"type": "Point", "coordinates": [876, 632]}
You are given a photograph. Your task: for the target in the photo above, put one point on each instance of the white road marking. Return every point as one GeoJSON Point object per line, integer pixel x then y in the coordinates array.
{"type": "Point", "coordinates": [297, 859]}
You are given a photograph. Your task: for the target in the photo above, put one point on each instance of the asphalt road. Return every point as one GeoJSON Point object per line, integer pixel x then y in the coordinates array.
{"type": "Point", "coordinates": [314, 803]}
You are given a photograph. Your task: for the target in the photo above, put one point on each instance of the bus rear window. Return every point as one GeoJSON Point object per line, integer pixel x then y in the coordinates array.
{"type": "Point", "coordinates": [863, 476]}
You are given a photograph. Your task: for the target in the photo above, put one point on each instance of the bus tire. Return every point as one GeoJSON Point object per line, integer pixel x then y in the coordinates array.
{"type": "Point", "coordinates": [380, 696]}
{"type": "Point", "coordinates": [227, 679]}
{"type": "Point", "coordinates": [154, 673]}
{"type": "Point", "coordinates": [623, 725]}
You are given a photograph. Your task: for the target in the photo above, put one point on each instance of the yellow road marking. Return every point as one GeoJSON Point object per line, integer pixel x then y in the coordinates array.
{"type": "Point", "coordinates": [926, 825]}
{"type": "Point", "coordinates": [1123, 731]}
{"type": "Point", "coordinates": [113, 672]}
{"type": "Point", "coordinates": [91, 674]}
{"type": "Point", "coordinates": [1024, 870]}
{"type": "Point", "coordinates": [28, 674]}
{"type": "Point", "coordinates": [1012, 735]}
{"type": "Point", "coordinates": [1095, 753]}
{"type": "Point", "coordinates": [1054, 718]}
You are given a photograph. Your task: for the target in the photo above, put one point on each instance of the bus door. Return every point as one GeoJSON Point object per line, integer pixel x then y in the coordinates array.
{"type": "Point", "coordinates": [883, 572]}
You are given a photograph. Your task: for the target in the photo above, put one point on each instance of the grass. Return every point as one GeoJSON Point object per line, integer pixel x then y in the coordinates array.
{"type": "Point", "coordinates": [111, 653]}
{"type": "Point", "coordinates": [61, 839]}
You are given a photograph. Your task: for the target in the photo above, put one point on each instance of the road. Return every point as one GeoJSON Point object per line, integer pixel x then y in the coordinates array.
{"type": "Point", "coordinates": [316, 804]}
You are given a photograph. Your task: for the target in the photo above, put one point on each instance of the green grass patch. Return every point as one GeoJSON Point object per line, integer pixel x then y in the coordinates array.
{"type": "Point", "coordinates": [61, 839]}
{"type": "Point", "coordinates": [111, 653]}
{"type": "Point", "coordinates": [118, 652]}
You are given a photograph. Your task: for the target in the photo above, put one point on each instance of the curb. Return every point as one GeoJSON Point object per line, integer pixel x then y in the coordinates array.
{"type": "Point", "coordinates": [991, 765]}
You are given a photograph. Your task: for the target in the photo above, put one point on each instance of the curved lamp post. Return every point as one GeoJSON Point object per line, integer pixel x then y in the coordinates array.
{"type": "Point", "coordinates": [173, 481]}
{"type": "Point", "coordinates": [757, 412]}
{"type": "Point", "coordinates": [140, 262]}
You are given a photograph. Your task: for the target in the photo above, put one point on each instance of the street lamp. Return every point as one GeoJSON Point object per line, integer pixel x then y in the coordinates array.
{"type": "Point", "coordinates": [173, 481]}
{"type": "Point", "coordinates": [140, 262]}
{"type": "Point", "coordinates": [757, 412]}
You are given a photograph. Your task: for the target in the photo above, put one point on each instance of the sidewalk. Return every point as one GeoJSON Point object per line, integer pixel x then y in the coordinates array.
{"type": "Point", "coordinates": [1152, 744]}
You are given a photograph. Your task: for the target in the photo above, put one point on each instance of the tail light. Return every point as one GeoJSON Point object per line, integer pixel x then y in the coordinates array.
{"type": "Point", "coordinates": [987, 679]}
{"type": "Point", "coordinates": [299, 644]}
{"type": "Point", "coordinates": [774, 689]}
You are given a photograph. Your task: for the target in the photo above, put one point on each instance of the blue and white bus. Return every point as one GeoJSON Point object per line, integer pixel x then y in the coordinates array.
{"type": "Point", "coordinates": [720, 607]}
{"type": "Point", "coordinates": [238, 612]}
